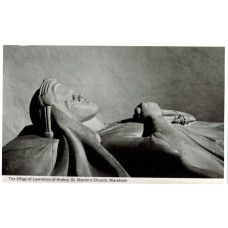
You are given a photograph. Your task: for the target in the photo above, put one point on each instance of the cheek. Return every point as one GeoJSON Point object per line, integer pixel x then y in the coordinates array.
{"type": "Point", "coordinates": [67, 104]}
{"type": "Point", "coordinates": [79, 114]}
{"type": "Point", "coordinates": [83, 113]}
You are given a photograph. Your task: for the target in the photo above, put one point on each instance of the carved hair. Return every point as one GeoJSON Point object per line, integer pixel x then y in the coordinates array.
{"type": "Point", "coordinates": [40, 107]}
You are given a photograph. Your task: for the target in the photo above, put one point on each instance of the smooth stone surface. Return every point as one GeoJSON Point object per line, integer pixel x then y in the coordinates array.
{"type": "Point", "coordinates": [117, 79]}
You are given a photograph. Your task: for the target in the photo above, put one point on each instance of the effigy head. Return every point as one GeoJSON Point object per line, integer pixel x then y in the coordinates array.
{"type": "Point", "coordinates": [52, 93]}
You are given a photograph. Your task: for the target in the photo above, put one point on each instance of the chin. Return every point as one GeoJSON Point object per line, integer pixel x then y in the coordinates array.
{"type": "Point", "coordinates": [90, 113]}
{"type": "Point", "coordinates": [95, 108]}
{"type": "Point", "coordinates": [93, 112]}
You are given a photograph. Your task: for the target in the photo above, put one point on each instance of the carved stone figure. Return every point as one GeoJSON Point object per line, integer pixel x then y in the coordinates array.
{"type": "Point", "coordinates": [67, 139]}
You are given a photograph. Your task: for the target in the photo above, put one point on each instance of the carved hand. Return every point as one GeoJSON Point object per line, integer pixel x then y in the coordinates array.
{"type": "Point", "coordinates": [148, 110]}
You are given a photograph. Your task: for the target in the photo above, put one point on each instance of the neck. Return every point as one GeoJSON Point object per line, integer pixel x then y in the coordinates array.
{"type": "Point", "coordinates": [94, 124]}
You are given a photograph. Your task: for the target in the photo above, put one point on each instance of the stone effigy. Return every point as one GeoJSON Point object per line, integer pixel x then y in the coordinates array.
{"type": "Point", "coordinates": [67, 139]}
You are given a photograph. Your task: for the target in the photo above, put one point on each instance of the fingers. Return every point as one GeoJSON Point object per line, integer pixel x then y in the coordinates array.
{"type": "Point", "coordinates": [138, 110]}
{"type": "Point", "coordinates": [148, 110]}
{"type": "Point", "coordinates": [137, 115]}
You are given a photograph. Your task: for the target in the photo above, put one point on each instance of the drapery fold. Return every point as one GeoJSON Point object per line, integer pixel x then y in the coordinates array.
{"type": "Point", "coordinates": [30, 154]}
{"type": "Point", "coordinates": [33, 155]}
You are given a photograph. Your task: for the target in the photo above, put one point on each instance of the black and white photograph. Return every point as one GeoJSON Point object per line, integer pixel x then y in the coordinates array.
{"type": "Point", "coordinates": [113, 111]}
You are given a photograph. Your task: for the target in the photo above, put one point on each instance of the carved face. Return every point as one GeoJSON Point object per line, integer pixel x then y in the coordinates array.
{"type": "Point", "coordinates": [74, 104]}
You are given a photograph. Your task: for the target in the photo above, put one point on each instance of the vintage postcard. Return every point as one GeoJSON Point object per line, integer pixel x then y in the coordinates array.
{"type": "Point", "coordinates": [113, 114]}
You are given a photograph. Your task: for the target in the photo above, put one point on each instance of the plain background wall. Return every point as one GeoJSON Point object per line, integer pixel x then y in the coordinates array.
{"type": "Point", "coordinates": [116, 78]}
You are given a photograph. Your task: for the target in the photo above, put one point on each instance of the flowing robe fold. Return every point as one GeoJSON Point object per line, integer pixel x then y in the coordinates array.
{"type": "Point", "coordinates": [201, 155]}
